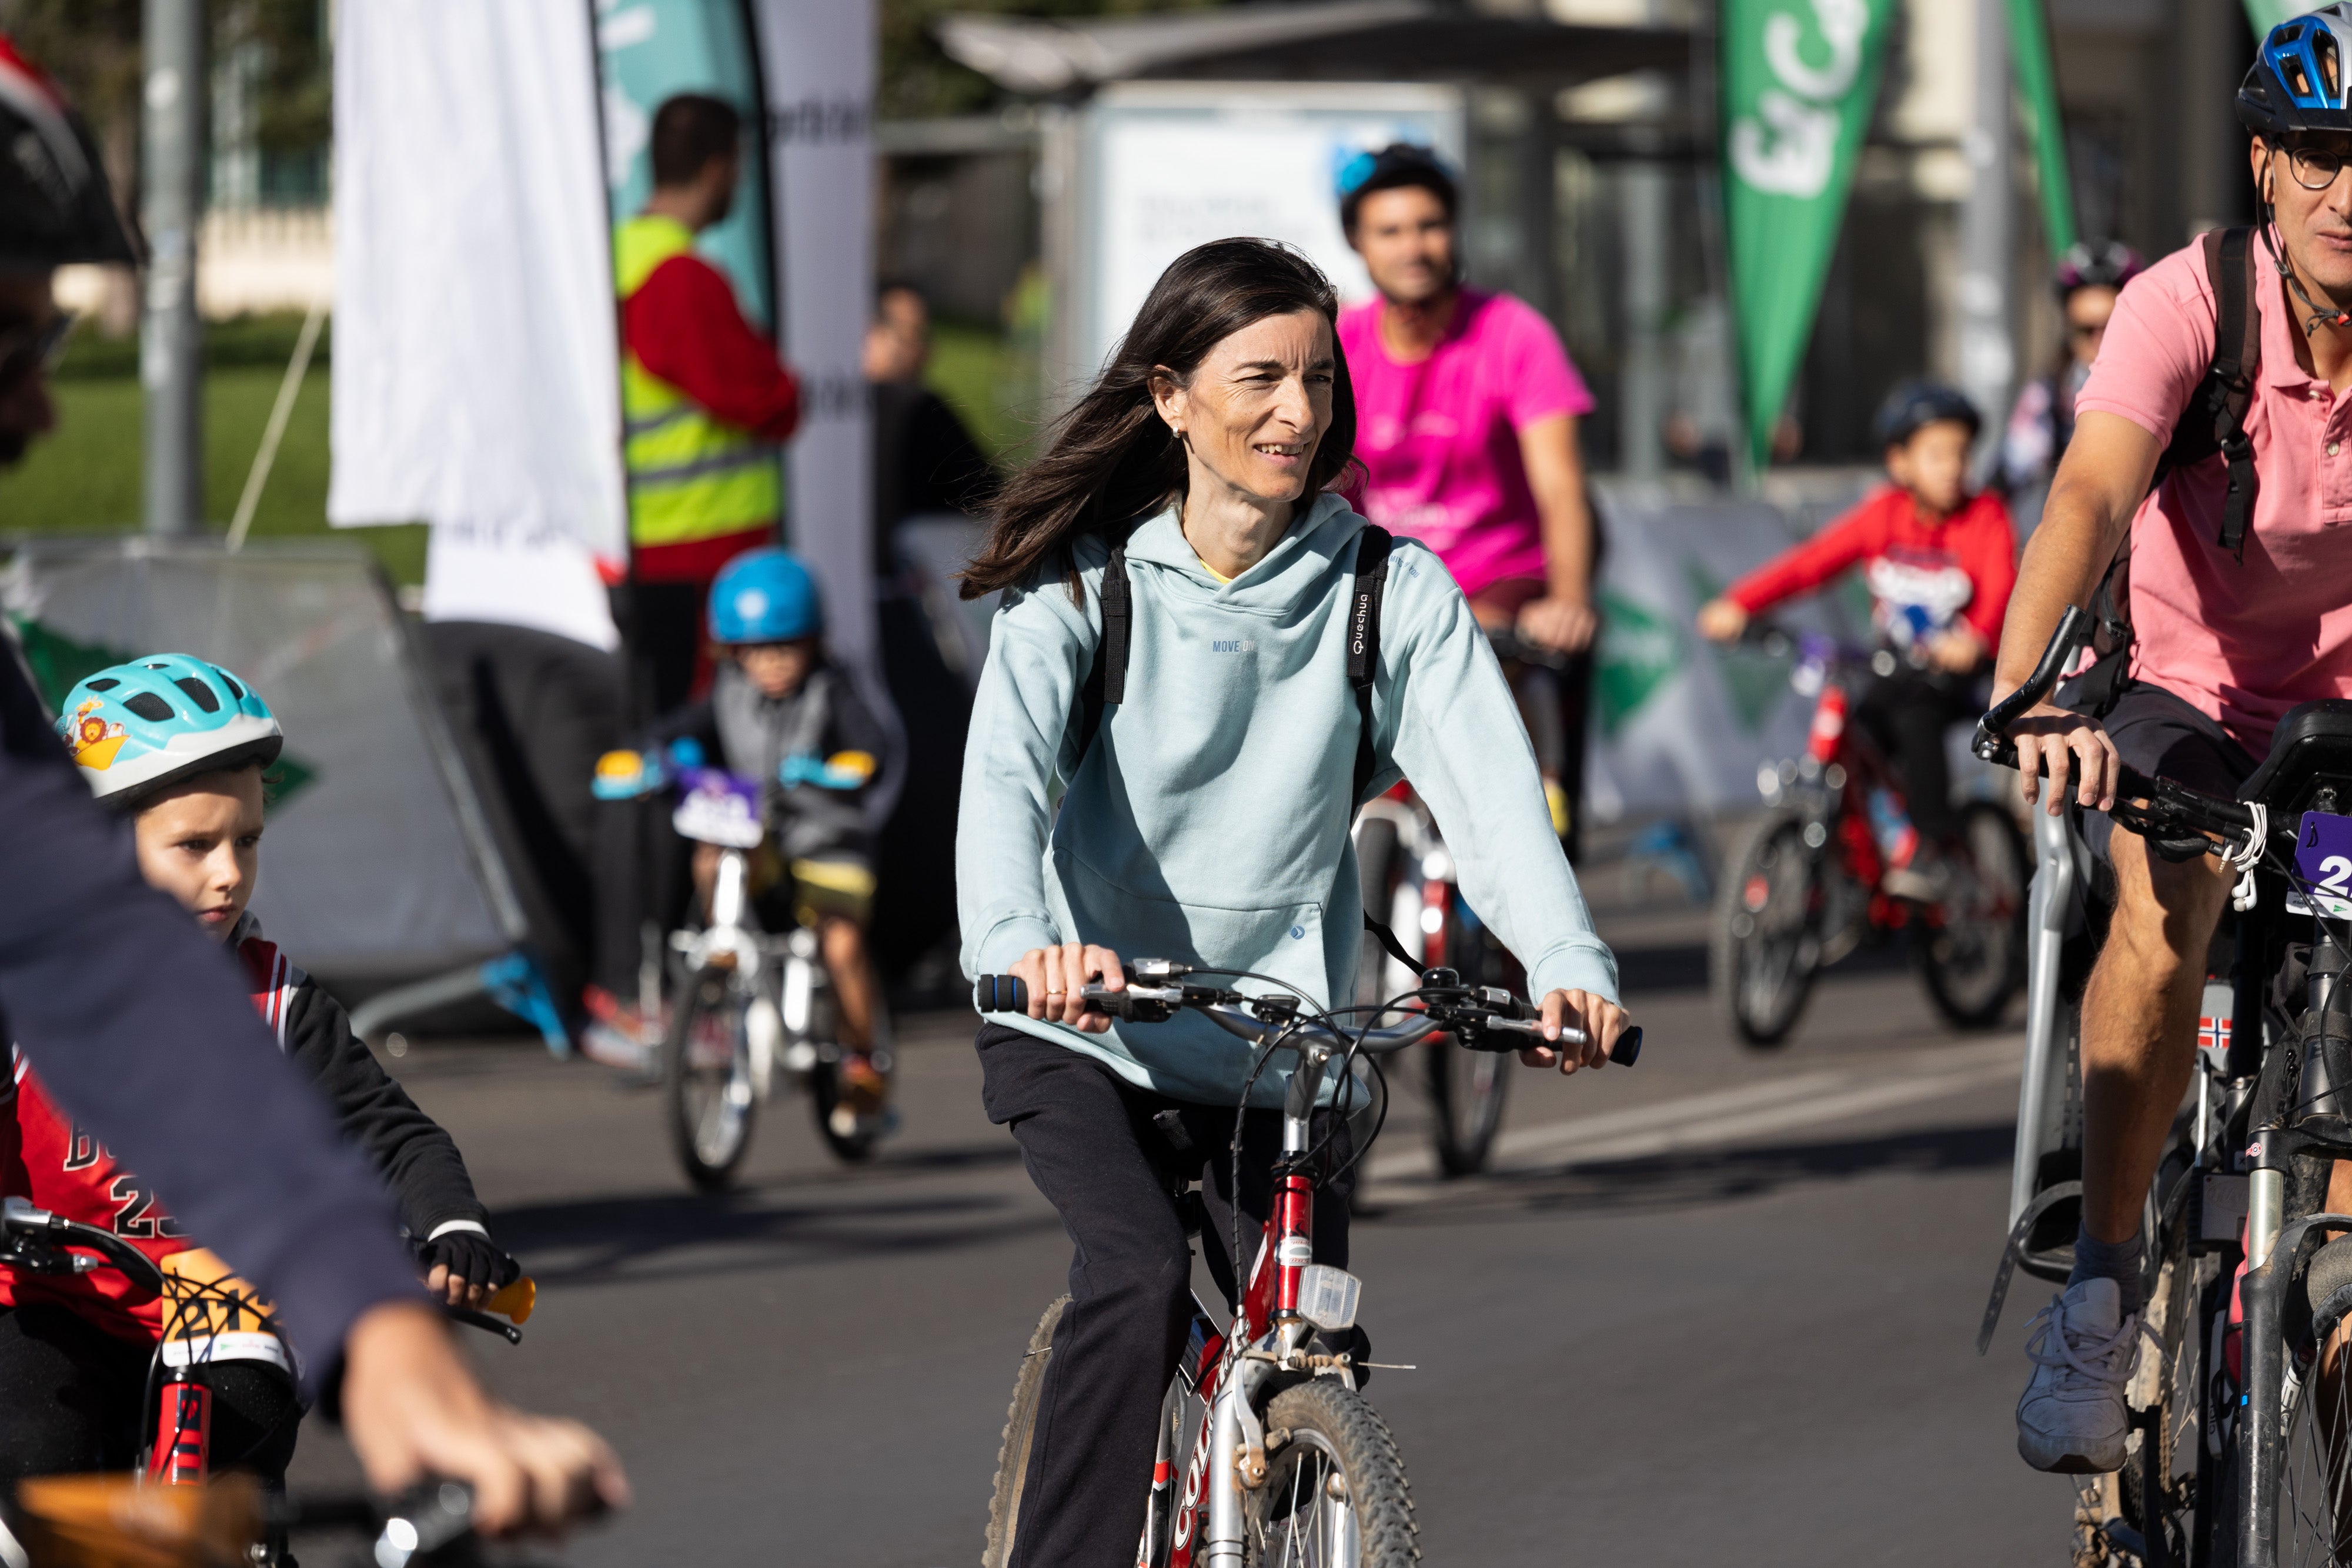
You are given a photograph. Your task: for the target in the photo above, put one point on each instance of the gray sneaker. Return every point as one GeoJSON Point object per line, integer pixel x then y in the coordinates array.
{"type": "Point", "coordinates": [2071, 1418]}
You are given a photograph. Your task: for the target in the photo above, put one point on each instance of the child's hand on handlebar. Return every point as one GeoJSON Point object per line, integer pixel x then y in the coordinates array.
{"type": "Point", "coordinates": [1721, 620]}
{"type": "Point", "coordinates": [2066, 745]}
{"type": "Point", "coordinates": [1055, 975]}
{"type": "Point", "coordinates": [1603, 1021]}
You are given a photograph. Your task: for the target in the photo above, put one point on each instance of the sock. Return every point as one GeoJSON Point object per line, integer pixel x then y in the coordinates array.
{"type": "Point", "coordinates": [2117, 1261]}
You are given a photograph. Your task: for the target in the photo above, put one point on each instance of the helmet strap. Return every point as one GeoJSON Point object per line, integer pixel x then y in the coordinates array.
{"type": "Point", "coordinates": [2320, 315]}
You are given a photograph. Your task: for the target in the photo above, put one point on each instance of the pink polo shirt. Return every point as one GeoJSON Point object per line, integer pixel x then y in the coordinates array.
{"type": "Point", "coordinates": [1439, 437]}
{"type": "Point", "coordinates": [2242, 643]}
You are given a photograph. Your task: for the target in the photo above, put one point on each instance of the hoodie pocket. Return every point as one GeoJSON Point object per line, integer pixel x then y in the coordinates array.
{"type": "Point", "coordinates": [1282, 941]}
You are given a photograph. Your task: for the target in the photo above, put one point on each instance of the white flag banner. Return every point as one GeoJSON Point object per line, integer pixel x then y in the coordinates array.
{"type": "Point", "coordinates": [476, 358]}
{"type": "Point", "coordinates": [818, 60]}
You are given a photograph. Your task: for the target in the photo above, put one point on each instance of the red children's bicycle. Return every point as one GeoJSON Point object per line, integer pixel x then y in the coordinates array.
{"type": "Point", "coordinates": [1269, 1453]}
{"type": "Point", "coordinates": [1807, 884]}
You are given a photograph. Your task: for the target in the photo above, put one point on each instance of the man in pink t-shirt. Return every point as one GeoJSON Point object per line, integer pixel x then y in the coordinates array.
{"type": "Point", "coordinates": [2226, 641]}
{"type": "Point", "coordinates": [1465, 423]}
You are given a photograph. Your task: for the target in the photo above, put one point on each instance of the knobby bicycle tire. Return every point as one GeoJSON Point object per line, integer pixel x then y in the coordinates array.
{"type": "Point", "coordinates": [1759, 991]}
{"type": "Point", "coordinates": [1019, 1427]}
{"type": "Point", "coordinates": [1974, 962]}
{"type": "Point", "coordinates": [1319, 1433]}
{"type": "Point", "coordinates": [709, 1163]}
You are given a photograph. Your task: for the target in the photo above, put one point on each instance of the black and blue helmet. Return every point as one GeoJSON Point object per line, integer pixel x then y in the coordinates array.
{"type": "Point", "coordinates": [2299, 78]}
{"type": "Point", "coordinates": [1916, 403]}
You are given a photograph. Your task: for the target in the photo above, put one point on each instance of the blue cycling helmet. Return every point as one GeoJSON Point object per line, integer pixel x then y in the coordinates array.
{"type": "Point", "coordinates": [139, 727]}
{"type": "Point", "coordinates": [765, 596]}
{"type": "Point", "coordinates": [2298, 81]}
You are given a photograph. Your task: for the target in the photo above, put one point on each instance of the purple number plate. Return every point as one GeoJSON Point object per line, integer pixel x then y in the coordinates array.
{"type": "Point", "coordinates": [2323, 857]}
{"type": "Point", "coordinates": [716, 807]}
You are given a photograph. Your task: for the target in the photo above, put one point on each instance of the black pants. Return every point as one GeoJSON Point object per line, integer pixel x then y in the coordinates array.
{"type": "Point", "coordinates": [1091, 1146]}
{"type": "Point", "coordinates": [73, 1399]}
{"type": "Point", "coordinates": [1908, 713]}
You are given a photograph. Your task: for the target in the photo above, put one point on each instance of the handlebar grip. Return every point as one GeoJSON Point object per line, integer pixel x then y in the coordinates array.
{"type": "Point", "coordinates": [1628, 1048]}
{"type": "Point", "coordinates": [1000, 994]}
{"type": "Point", "coordinates": [2038, 684]}
{"type": "Point", "coordinates": [517, 1300]}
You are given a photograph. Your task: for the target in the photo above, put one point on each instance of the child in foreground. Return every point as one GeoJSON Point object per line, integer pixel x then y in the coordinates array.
{"type": "Point", "coordinates": [180, 745]}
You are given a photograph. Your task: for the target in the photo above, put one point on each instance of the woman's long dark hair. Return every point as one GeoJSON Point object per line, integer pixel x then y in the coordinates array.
{"type": "Point", "coordinates": [1113, 459]}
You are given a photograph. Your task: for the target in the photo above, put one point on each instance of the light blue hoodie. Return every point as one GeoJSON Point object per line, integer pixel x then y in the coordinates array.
{"type": "Point", "coordinates": [1208, 823]}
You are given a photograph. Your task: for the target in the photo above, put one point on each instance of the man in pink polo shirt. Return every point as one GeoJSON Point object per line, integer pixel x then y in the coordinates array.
{"type": "Point", "coordinates": [2225, 644]}
{"type": "Point", "coordinates": [1466, 421]}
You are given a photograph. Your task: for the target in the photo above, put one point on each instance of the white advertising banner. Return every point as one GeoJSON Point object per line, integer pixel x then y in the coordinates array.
{"type": "Point", "coordinates": [819, 62]}
{"type": "Point", "coordinates": [475, 365]}
{"type": "Point", "coordinates": [1165, 166]}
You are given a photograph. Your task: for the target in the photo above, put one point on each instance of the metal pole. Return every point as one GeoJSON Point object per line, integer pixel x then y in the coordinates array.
{"type": "Point", "coordinates": [1644, 393]}
{"type": "Point", "coordinates": [1988, 360]}
{"type": "Point", "coordinates": [171, 338]}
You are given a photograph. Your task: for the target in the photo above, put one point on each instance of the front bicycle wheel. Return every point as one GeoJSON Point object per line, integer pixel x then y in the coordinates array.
{"type": "Point", "coordinates": [1766, 944]}
{"type": "Point", "coordinates": [1020, 1430]}
{"type": "Point", "coordinates": [1335, 1493]}
{"type": "Point", "coordinates": [707, 1064]}
{"type": "Point", "coordinates": [1972, 954]}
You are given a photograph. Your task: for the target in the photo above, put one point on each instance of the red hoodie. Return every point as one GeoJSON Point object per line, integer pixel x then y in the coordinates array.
{"type": "Point", "coordinates": [1961, 568]}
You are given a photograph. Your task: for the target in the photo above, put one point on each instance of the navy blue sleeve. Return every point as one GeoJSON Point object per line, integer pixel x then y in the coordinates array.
{"type": "Point", "coordinates": [142, 1027]}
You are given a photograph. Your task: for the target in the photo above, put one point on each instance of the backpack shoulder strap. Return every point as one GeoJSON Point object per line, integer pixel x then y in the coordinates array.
{"type": "Point", "coordinates": [1105, 681]}
{"type": "Point", "coordinates": [2214, 423]}
{"type": "Point", "coordinates": [2237, 359]}
{"type": "Point", "coordinates": [1364, 645]}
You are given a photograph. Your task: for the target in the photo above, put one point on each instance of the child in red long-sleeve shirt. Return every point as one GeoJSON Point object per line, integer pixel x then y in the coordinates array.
{"type": "Point", "coordinates": [1941, 563]}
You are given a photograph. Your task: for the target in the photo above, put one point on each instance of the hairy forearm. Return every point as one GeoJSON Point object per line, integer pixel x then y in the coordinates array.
{"type": "Point", "coordinates": [2063, 563]}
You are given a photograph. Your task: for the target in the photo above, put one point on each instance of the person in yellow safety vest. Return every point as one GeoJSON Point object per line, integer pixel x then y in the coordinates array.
{"type": "Point", "coordinates": [705, 399]}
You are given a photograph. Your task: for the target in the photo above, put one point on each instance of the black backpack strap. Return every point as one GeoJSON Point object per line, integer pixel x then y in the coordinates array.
{"type": "Point", "coordinates": [1105, 679]}
{"type": "Point", "coordinates": [1364, 645]}
{"type": "Point", "coordinates": [2237, 357]}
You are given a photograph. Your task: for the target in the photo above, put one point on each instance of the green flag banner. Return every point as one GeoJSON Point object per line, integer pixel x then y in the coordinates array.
{"type": "Point", "coordinates": [2037, 85]}
{"type": "Point", "coordinates": [1798, 80]}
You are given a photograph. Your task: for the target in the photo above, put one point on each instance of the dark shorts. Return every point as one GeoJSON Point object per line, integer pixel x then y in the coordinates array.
{"type": "Point", "coordinates": [2165, 738]}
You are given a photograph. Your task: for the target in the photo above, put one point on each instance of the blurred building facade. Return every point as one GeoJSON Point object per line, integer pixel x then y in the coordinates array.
{"type": "Point", "coordinates": [1595, 203]}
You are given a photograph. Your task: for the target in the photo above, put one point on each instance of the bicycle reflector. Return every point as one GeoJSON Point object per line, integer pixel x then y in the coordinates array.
{"type": "Point", "coordinates": [1327, 1297]}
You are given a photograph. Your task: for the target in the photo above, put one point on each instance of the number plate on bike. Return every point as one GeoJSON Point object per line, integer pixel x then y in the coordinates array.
{"type": "Point", "coordinates": [2323, 858]}
{"type": "Point", "coordinates": [717, 808]}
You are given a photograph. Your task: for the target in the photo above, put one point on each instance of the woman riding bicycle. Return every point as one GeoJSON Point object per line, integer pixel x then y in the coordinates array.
{"type": "Point", "coordinates": [1205, 801]}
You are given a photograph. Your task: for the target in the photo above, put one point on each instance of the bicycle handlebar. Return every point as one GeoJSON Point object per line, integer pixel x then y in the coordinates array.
{"type": "Point", "coordinates": [1992, 730]}
{"type": "Point", "coordinates": [1471, 1016]}
{"type": "Point", "coordinates": [21, 1221]}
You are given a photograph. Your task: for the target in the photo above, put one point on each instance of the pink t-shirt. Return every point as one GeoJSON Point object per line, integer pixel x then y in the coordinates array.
{"type": "Point", "coordinates": [2241, 642]}
{"type": "Point", "coordinates": [1441, 438]}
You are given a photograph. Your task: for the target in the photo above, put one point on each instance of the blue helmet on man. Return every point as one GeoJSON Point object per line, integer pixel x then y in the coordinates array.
{"type": "Point", "coordinates": [765, 596]}
{"type": "Point", "coordinates": [2298, 80]}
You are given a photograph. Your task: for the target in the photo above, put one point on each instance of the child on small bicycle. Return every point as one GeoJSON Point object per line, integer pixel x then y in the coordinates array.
{"type": "Point", "coordinates": [180, 747]}
{"type": "Point", "coordinates": [781, 714]}
{"type": "Point", "coordinates": [1939, 559]}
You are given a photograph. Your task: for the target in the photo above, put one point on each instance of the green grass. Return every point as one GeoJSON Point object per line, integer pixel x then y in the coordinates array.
{"type": "Point", "coordinates": [985, 381]}
{"type": "Point", "coordinates": [85, 476]}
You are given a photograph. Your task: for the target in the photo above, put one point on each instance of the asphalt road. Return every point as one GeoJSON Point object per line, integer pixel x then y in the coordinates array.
{"type": "Point", "coordinates": [1719, 1309]}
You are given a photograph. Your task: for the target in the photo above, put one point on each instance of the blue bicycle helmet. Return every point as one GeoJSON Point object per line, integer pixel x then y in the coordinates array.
{"type": "Point", "coordinates": [765, 596]}
{"type": "Point", "coordinates": [139, 727]}
{"type": "Point", "coordinates": [2297, 81]}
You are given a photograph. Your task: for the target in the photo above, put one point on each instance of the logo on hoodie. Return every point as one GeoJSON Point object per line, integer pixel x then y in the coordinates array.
{"type": "Point", "coordinates": [1233, 644]}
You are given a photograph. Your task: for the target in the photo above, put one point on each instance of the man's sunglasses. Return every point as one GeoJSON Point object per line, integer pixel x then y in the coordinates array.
{"type": "Point", "coordinates": [34, 349]}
